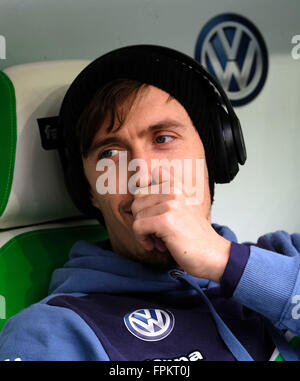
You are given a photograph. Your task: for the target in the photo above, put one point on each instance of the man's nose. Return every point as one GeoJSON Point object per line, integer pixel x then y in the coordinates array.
{"type": "Point", "coordinates": [143, 180]}
{"type": "Point", "coordinates": [140, 165]}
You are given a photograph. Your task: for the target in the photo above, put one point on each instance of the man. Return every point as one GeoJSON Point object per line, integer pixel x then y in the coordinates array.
{"type": "Point", "coordinates": [167, 284]}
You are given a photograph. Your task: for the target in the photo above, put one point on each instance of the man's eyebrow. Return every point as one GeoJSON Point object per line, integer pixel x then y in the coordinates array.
{"type": "Point", "coordinates": [157, 126]}
{"type": "Point", "coordinates": [162, 124]}
{"type": "Point", "coordinates": [102, 142]}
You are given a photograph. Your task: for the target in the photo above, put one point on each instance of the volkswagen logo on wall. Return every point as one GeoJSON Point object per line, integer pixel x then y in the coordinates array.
{"type": "Point", "coordinates": [150, 324]}
{"type": "Point", "coordinates": [232, 49]}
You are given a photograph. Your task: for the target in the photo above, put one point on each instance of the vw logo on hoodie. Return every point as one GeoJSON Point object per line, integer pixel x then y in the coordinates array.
{"type": "Point", "coordinates": [150, 324]}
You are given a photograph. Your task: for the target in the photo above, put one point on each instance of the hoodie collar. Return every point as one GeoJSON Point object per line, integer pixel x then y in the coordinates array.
{"type": "Point", "coordinates": [94, 267]}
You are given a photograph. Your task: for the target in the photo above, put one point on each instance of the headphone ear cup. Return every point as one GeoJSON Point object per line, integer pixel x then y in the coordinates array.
{"type": "Point", "coordinates": [226, 164]}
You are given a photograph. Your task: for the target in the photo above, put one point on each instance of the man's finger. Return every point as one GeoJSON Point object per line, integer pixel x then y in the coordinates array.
{"type": "Point", "coordinates": [142, 203]}
{"type": "Point", "coordinates": [145, 229]}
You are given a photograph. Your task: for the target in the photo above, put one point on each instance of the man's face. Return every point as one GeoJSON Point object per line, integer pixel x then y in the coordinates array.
{"type": "Point", "coordinates": [155, 128]}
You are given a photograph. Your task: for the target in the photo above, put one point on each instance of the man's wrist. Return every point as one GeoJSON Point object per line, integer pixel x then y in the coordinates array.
{"type": "Point", "coordinates": [239, 255]}
{"type": "Point", "coordinates": [222, 254]}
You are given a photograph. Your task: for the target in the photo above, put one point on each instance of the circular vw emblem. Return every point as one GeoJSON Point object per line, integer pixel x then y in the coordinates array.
{"type": "Point", "coordinates": [232, 49]}
{"type": "Point", "coordinates": [150, 324]}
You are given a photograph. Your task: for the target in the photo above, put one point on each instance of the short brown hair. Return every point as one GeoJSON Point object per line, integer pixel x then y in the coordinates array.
{"type": "Point", "coordinates": [111, 102]}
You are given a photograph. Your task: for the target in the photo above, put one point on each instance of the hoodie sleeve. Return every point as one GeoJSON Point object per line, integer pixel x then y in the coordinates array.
{"type": "Point", "coordinates": [47, 333]}
{"type": "Point", "coordinates": [269, 283]}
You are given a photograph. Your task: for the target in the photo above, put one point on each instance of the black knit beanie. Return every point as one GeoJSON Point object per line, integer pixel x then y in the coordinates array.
{"type": "Point", "coordinates": [146, 64]}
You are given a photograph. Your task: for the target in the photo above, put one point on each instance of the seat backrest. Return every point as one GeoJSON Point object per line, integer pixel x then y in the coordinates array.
{"type": "Point", "coordinates": [38, 221]}
{"type": "Point", "coordinates": [32, 187]}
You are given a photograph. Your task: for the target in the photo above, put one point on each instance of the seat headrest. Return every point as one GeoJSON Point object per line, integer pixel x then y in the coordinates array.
{"type": "Point", "coordinates": [32, 188]}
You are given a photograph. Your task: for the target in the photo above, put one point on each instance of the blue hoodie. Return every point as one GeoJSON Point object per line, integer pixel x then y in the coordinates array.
{"type": "Point", "coordinates": [102, 306]}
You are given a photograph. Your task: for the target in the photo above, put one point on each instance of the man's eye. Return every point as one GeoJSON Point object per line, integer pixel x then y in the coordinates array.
{"type": "Point", "coordinates": [107, 153]}
{"type": "Point", "coordinates": [161, 138]}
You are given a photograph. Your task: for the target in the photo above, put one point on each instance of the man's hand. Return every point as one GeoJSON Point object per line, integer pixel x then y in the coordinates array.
{"type": "Point", "coordinates": [170, 222]}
